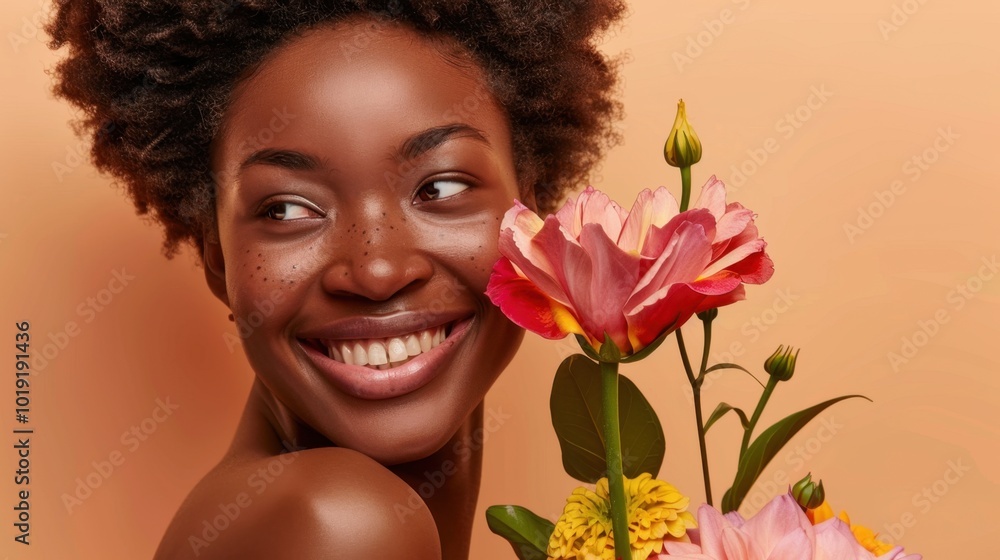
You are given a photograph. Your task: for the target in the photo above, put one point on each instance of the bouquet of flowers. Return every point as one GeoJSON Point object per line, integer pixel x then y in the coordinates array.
{"type": "Point", "coordinates": [622, 283]}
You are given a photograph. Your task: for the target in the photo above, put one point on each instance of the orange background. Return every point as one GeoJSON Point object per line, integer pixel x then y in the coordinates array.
{"type": "Point", "coordinates": [848, 299]}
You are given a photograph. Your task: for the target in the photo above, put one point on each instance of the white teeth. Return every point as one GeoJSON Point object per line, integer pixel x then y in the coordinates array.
{"type": "Point", "coordinates": [360, 355]}
{"type": "Point", "coordinates": [425, 340]}
{"type": "Point", "coordinates": [376, 354]}
{"type": "Point", "coordinates": [384, 353]}
{"type": "Point", "coordinates": [412, 346]}
{"type": "Point", "coordinates": [397, 349]}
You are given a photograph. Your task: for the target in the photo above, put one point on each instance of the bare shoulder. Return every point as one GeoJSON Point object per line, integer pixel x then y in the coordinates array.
{"type": "Point", "coordinates": [318, 503]}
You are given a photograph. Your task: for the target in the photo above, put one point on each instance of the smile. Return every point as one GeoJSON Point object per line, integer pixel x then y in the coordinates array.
{"type": "Point", "coordinates": [383, 353]}
{"type": "Point", "coordinates": [384, 367]}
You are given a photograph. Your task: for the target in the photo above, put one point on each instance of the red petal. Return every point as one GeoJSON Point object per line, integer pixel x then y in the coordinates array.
{"type": "Point", "coordinates": [521, 301]}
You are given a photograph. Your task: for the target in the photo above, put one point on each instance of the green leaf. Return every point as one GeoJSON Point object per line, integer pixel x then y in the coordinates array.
{"type": "Point", "coordinates": [721, 411]}
{"type": "Point", "coordinates": [527, 533]}
{"type": "Point", "coordinates": [734, 366]}
{"type": "Point", "coordinates": [766, 446]}
{"type": "Point", "coordinates": [575, 404]}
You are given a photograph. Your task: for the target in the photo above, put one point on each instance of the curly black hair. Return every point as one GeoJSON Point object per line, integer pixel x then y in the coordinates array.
{"type": "Point", "coordinates": [153, 78]}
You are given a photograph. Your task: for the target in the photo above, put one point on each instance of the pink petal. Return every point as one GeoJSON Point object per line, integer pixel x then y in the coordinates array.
{"type": "Point", "coordinates": [591, 207]}
{"type": "Point", "coordinates": [754, 269]}
{"type": "Point", "coordinates": [682, 260]}
{"type": "Point", "coordinates": [834, 541]}
{"type": "Point", "coordinates": [658, 237]}
{"type": "Point", "coordinates": [520, 226]}
{"type": "Point", "coordinates": [797, 545]}
{"type": "Point", "coordinates": [738, 546]}
{"type": "Point", "coordinates": [735, 255]}
{"type": "Point", "coordinates": [711, 525]}
{"type": "Point", "coordinates": [571, 266]}
{"type": "Point", "coordinates": [651, 208]}
{"type": "Point", "coordinates": [662, 314]}
{"type": "Point", "coordinates": [610, 288]}
{"type": "Point", "coordinates": [778, 518]}
{"type": "Point", "coordinates": [734, 221]}
{"type": "Point", "coordinates": [522, 301]}
{"type": "Point", "coordinates": [712, 197]}
{"type": "Point", "coordinates": [681, 549]}
{"type": "Point", "coordinates": [739, 294]}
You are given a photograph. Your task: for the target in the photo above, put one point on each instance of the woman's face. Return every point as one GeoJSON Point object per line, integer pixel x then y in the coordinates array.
{"type": "Point", "coordinates": [363, 175]}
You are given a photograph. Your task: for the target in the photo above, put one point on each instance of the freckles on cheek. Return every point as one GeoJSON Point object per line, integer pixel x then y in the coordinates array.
{"type": "Point", "coordinates": [259, 280]}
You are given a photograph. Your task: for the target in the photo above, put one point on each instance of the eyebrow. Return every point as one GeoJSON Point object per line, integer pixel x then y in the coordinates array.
{"type": "Point", "coordinates": [412, 148]}
{"type": "Point", "coordinates": [427, 140]}
{"type": "Point", "coordinates": [288, 159]}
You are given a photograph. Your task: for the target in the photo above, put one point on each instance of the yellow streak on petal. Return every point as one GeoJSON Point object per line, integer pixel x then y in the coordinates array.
{"type": "Point", "coordinates": [565, 320]}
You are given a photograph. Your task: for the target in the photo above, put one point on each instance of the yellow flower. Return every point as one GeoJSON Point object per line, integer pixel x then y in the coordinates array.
{"type": "Point", "coordinates": [865, 536]}
{"type": "Point", "coordinates": [656, 512]}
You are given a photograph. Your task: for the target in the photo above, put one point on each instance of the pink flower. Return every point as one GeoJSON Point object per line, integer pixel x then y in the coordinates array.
{"type": "Point", "coordinates": [591, 268]}
{"type": "Point", "coordinates": [780, 531]}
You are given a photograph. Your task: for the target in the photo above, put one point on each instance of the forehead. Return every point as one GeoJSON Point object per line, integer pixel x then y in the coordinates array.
{"type": "Point", "coordinates": [359, 85]}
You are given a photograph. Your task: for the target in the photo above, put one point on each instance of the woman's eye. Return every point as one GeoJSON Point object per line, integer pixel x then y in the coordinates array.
{"type": "Point", "coordinates": [440, 189]}
{"type": "Point", "coordinates": [285, 211]}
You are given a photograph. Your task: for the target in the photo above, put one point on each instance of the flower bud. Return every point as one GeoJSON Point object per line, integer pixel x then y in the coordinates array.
{"type": "Point", "coordinates": [808, 494]}
{"type": "Point", "coordinates": [683, 148]}
{"type": "Point", "coordinates": [781, 364]}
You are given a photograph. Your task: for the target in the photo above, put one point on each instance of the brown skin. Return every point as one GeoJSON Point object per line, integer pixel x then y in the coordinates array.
{"type": "Point", "coordinates": [357, 233]}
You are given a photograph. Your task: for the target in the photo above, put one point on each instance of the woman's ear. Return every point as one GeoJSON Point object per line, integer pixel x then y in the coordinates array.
{"type": "Point", "coordinates": [215, 268]}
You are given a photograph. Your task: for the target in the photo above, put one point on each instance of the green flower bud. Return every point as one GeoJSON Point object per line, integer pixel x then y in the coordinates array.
{"type": "Point", "coordinates": [808, 494]}
{"type": "Point", "coordinates": [683, 148]}
{"type": "Point", "coordinates": [781, 364]}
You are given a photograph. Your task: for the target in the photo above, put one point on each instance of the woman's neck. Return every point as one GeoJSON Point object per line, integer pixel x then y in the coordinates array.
{"type": "Point", "coordinates": [448, 481]}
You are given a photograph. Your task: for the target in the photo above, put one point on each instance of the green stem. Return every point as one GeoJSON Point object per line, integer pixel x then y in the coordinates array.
{"type": "Point", "coordinates": [772, 382]}
{"type": "Point", "coordinates": [696, 393]}
{"type": "Point", "coordinates": [708, 345]}
{"type": "Point", "coordinates": [685, 187]}
{"type": "Point", "coordinates": [613, 447]}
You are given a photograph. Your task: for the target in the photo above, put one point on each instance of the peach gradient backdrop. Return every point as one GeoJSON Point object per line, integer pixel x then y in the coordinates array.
{"type": "Point", "coordinates": [849, 301]}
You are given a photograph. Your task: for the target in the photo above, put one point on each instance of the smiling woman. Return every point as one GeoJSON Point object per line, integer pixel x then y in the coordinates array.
{"type": "Point", "coordinates": [356, 194]}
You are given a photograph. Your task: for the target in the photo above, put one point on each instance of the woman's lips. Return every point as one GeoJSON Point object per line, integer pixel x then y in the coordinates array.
{"type": "Point", "coordinates": [368, 383]}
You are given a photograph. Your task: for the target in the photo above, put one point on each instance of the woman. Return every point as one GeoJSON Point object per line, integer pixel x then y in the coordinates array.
{"type": "Point", "coordinates": [342, 169]}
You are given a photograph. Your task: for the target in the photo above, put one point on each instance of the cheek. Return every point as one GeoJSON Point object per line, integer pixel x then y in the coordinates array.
{"type": "Point", "coordinates": [263, 283]}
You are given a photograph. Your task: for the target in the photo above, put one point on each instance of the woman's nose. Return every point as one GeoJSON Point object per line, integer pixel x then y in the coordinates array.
{"type": "Point", "coordinates": [373, 260]}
